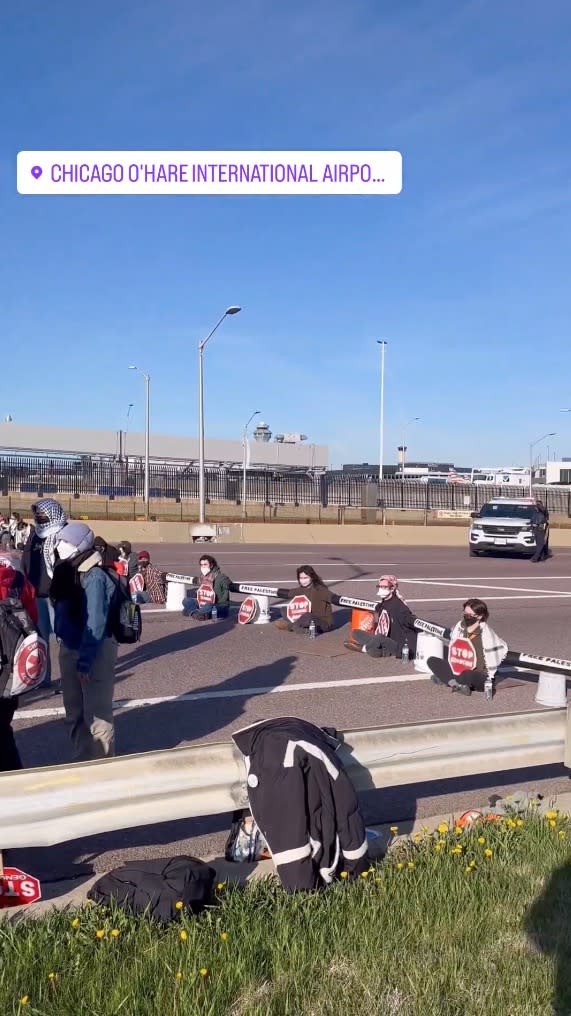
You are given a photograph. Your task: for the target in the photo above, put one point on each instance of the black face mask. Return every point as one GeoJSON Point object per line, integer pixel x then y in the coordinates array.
{"type": "Point", "coordinates": [469, 620]}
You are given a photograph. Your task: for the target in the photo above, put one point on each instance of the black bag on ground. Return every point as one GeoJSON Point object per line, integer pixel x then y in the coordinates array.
{"type": "Point", "coordinates": [125, 621]}
{"type": "Point", "coordinates": [156, 886]}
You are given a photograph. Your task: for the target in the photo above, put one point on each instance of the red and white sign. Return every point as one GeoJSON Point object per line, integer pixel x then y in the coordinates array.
{"type": "Point", "coordinates": [30, 664]}
{"type": "Point", "coordinates": [121, 568]}
{"type": "Point", "coordinates": [248, 610]}
{"type": "Point", "coordinates": [17, 888]}
{"type": "Point", "coordinates": [461, 656]}
{"type": "Point", "coordinates": [205, 594]}
{"type": "Point", "coordinates": [297, 607]}
{"type": "Point", "coordinates": [383, 624]}
{"type": "Point", "coordinates": [137, 584]}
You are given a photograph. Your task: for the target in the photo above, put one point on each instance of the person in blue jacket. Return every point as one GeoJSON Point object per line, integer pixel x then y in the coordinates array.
{"type": "Point", "coordinates": [83, 596]}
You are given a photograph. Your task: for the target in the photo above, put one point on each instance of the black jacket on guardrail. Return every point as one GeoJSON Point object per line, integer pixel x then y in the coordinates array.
{"type": "Point", "coordinates": [303, 802]}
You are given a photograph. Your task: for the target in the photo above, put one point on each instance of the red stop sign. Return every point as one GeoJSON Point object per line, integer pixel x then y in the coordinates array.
{"type": "Point", "coordinates": [461, 656]}
{"type": "Point", "coordinates": [17, 888]}
{"type": "Point", "coordinates": [205, 594]}
{"type": "Point", "coordinates": [248, 610]}
{"type": "Point", "coordinates": [297, 607]}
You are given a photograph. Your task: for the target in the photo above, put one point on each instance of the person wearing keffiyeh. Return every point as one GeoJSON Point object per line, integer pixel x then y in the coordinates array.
{"type": "Point", "coordinates": [394, 624]}
{"type": "Point", "coordinates": [38, 559]}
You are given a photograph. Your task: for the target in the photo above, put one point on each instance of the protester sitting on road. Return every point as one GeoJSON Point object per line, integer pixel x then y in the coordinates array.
{"type": "Point", "coordinates": [13, 585]}
{"type": "Point", "coordinates": [109, 553]}
{"type": "Point", "coordinates": [83, 595]}
{"type": "Point", "coordinates": [128, 558]}
{"type": "Point", "coordinates": [317, 605]}
{"type": "Point", "coordinates": [155, 588]}
{"type": "Point", "coordinates": [213, 590]}
{"type": "Point", "coordinates": [38, 560]}
{"type": "Point", "coordinates": [474, 654]}
{"type": "Point", "coordinates": [394, 624]}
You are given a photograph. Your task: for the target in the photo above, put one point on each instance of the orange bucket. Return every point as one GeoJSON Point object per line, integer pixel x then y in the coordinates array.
{"type": "Point", "coordinates": [362, 620]}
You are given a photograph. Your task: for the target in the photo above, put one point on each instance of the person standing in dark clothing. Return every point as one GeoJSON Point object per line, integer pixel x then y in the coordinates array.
{"type": "Point", "coordinates": [13, 585]}
{"type": "Point", "coordinates": [38, 560]}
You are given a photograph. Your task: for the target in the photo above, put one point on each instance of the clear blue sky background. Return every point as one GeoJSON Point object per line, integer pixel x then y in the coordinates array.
{"type": "Point", "coordinates": [466, 273]}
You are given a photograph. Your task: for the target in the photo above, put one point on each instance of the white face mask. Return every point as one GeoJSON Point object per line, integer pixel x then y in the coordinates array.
{"type": "Point", "coordinates": [383, 594]}
{"type": "Point", "coordinates": [304, 581]}
{"type": "Point", "coordinates": [66, 550]}
{"type": "Point", "coordinates": [204, 569]}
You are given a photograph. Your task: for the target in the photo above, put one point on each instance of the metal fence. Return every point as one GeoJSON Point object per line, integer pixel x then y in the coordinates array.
{"type": "Point", "coordinates": [113, 479]}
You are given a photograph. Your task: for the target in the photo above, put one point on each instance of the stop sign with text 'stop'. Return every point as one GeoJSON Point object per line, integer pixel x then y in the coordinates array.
{"type": "Point", "coordinates": [297, 607]}
{"type": "Point", "coordinates": [461, 656]}
{"type": "Point", "coordinates": [248, 610]}
{"type": "Point", "coordinates": [17, 888]}
{"type": "Point", "coordinates": [205, 595]}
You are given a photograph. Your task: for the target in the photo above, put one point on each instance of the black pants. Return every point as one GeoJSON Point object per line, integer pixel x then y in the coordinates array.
{"type": "Point", "coordinates": [376, 645]}
{"type": "Point", "coordinates": [9, 754]}
{"type": "Point", "coordinates": [303, 623]}
{"type": "Point", "coordinates": [474, 679]}
{"type": "Point", "coordinates": [541, 553]}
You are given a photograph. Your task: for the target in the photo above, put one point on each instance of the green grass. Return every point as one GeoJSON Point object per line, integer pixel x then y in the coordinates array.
{"type": "Point", "coordinates": [429, 940]}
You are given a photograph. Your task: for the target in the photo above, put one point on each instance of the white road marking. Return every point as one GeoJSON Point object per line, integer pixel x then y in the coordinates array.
{"type": "Point", "coordinates": [123, 704]}
{"type": "Point", "coordinates": [474, 585]}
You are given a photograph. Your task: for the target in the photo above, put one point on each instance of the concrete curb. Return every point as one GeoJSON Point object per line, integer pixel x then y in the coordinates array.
{"type": "Point", "coordinates": [76, 895]}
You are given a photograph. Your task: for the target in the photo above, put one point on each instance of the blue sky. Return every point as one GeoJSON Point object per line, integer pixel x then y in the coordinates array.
{"type": "Point", "coordinates": [466, 273]}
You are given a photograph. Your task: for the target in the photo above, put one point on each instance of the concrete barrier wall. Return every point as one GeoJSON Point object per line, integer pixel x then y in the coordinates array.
{"type": "Point", "coordinates": [141, 533]}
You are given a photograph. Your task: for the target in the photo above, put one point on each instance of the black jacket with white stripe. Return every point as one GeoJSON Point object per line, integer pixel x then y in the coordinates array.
{"type": "Point", "coordinates": [303, 802]}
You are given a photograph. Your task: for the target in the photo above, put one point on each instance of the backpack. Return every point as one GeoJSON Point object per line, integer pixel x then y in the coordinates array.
{"type": "Point", "coordinates": [23, 653]}
{"type": "Point", "coordinates": [245, 841]}
{"type": "Point", "coordinates": [125, 620]}
{"type": "Point", "coordinates": [154, 887]}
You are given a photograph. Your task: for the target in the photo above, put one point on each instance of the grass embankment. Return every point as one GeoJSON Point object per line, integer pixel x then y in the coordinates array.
{"type": "Point", "coordinates": [458, 923]}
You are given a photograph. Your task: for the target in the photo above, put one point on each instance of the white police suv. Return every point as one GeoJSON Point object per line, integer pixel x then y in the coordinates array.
{"type": "Point", "coordinates": [508, 524]}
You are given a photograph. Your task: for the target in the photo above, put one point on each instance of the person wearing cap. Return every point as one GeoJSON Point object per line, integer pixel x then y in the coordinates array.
{"type": "Point", "coordinates": [155, 588]}
{"type": "Point", "coordinates": [83, 595]}
{"type": "Point", "coordinates": [38, 560]}
{"type": "Point", "coordinates": [394, 624]}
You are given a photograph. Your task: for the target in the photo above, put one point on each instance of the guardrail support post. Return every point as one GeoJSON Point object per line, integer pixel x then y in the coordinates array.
{"type": "Point", "coordinates": [176, 591]}
{"type": "Point", "coordinates": [264, 614]}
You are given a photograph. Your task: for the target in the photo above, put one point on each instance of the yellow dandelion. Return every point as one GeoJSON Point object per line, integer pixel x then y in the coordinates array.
{"type": "Point", "coordinates": [552, 823]}
{"type": "Point", "coordinates": [510, 823]}
{"type": "Point", "coordinates": [481, 840]}
{"type": "Point", "coordinates": [394, 828]}
{"type": "Point", "coordinates": [364, 874]}
{"type": "Point", "coordinates": [468, 869]}
{"type": "Point", "coordinates": [75, 922]}
{"type": "Point", "coordinates": [203, 971]}
{"type": "Point", "coordinates": [343, 874]}
{"type": "Point", "coordinates": [183, 935]}
{"type": "Point", "coordinates": [223, 936]}
{"type": "Point", "coordinates": [442, 828]}
{"type": "Point", "coordinates": [24, 999]}
{"type": "Point", "coordinates": [416, 837]}
{"type": "Point", "coordinates": [550, 815]}
{"type": "Point", "coordinates": [488, 852]}
{"type": "Point", "coordinates": [179, 905]}
{"type": "Point", "coordinates": [519, 822]}
{"type": "Point", "coordinates": [378, 881]}
{"type": "Point", "coordinates": [52, 976]}
{"type": "Point", "coordinates": [179, 975]}
{"type": "Point", "coordinates": [437, 847]}
{"type": "Point", "coordinates": [456, 850]}
{"type": "Point", "coordinates": [400, 866]}
{"type": "Point", "coordinates": [115, 933]}
{"type": "Point", "coordinates": [458, 830]}
{"type": "Point", "coordinates": [100, 933]}
{"type": "Point", "coordinates": [562, 834]}
{"type": "Point", "coordinates": [534, 802]}
{"type": "Point", "coordinates": [220, 886]}
{"type": "Point", "coordinates": [441, 843]}
{"type": "Point", "coordinates": [410, 865]}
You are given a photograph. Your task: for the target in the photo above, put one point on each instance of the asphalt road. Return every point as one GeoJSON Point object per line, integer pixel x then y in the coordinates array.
{"type": "Point", "coordinates": [188, 682]}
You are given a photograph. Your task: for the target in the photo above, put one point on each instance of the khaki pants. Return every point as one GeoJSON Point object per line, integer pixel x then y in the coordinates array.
{"type": "Point", "coordinates": [89, 705]}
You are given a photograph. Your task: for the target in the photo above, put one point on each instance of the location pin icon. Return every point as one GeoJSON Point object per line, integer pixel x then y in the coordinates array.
{"type": "Point", "coordinates": [36, 172]}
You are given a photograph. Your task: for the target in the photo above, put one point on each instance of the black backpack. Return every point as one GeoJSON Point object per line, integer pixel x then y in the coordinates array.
{"type": "Point", "coordinates": [125, 620]}
{"type": "Point", "coordinates": [155, 887]}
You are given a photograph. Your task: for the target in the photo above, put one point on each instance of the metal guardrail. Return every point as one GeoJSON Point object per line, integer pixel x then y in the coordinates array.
{"type": "Point", "coordinates": [43, 807]}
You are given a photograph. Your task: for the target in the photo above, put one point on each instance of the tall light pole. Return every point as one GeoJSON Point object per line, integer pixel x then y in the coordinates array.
{"type": "Point", "coordinates": [147, 379]}
{"type": "Point", "coordinates": [201, 498]}
{"type": "Point", "coordinates": [383, 345]}
{"type": "Point", "coordinates": [129, 408]}
{"type": "Point", "coordinates": [245, 465]}
{"type": "Point", "coordinates": [531, 447]}
{"type": "Point", "coordinates": [415, 419]}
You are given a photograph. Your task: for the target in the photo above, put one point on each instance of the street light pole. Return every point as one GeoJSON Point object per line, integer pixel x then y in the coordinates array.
{"type": "Point", "coordinates": [147, 379]}
{"type": "Point", "coordinates": [383, 345]}
{"type": "Point", "coordinates": [531, 447]}
{"type": "Point", "coordinates": [244, 462]}
{"type": "Point", "coordinates": [201, 485]}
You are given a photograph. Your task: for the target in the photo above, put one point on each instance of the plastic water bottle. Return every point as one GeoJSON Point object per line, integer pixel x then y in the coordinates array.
{"type": "Point", "coordinates": [312, 630]}
{"type": "Point", "coordinates": [488, 689]}
{"type": "Point", "coordinates": [214, 614]}
{"type": "Point", "coordinates": [405, 655]}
